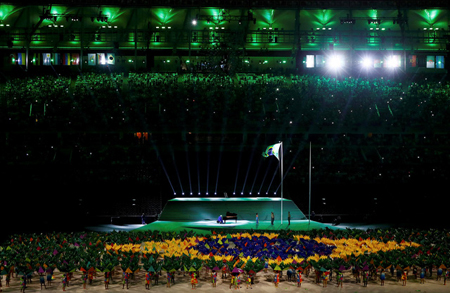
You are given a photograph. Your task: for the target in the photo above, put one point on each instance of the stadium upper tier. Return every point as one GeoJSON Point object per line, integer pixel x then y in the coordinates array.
{"type": "Point", "coordinates": [288, 26]}
{"type": "Point", "coordinates": [212, 103]}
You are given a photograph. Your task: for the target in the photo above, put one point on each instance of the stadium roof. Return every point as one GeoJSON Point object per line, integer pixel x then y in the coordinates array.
{"type": "Point", "coordinates": [278, 4]}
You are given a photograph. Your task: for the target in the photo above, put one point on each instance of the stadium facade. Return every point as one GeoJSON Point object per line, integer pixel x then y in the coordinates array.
{"type": "Point", "coordinates": [244, 36]}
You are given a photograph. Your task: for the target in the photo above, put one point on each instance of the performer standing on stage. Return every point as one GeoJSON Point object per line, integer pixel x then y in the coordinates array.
{"type": "Point", "coordinates": [148, 278]}
{"type": "Point", "coordinates": [214, 278]}
{"type": "Point", "coordinates": [194, 280]}
{"type": "Point", "coordinates": [299, 279]}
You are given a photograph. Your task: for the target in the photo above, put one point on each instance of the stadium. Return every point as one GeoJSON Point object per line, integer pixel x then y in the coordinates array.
{"type": "Point", "coordinates": [131, 123]}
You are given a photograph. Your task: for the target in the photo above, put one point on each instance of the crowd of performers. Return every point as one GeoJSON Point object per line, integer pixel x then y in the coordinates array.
{"type": "Point", "coordinates": [238, 277]}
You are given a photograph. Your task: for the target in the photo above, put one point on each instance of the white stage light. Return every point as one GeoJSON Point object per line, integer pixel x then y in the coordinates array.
{"type": "Point", "coordinates": [367, 62]}
{"type": "Point", "coordinates": [335, 62]}
{"type": "Point", "coordinates": [194, 22]}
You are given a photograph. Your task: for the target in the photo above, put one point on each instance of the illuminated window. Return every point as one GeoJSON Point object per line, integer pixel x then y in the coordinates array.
{"type": "Point", "coordinates": [412, 60]}
{"type": "Point", "coordinates": [377, 63]}
{"type": "Point", "coordinates": [320, 61]}
{"type": "Point", "coordinates": [440, 62]}
{"type": "Point", "coordinates": [309, 61]}
{"type": "Point", "coordinates": [430, 61]}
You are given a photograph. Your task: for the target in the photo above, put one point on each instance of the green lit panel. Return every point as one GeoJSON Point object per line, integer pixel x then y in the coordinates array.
{"type": "Point", "coordinates": [113, 13]}
{"type": "Point", "coordinates": [166, 16]}
{"type": "Point", "coordinates": [55, 10]}
{"type": "Point", "coordinates": [363, 17]}
{"type": "Point", "coordinates": [428, 18]}
{"type": "Point", "coordinates": [271, 18]}
{"type": "Point", "coordinates": [427, 47]}
{"type": "Point", "coordinates": [211, 17]}
{"type": "Point", "coordinates": [319, 19]}
{"type": "Point", "coordinates": [5, 11]}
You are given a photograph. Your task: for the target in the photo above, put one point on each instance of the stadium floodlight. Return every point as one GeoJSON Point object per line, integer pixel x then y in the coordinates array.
{"type": "Point", "coordinates": [335, 62]}
{"type": "Point", "coordinates": [392, 62]}
{"type": "Point", "coordinates": [367, 62]}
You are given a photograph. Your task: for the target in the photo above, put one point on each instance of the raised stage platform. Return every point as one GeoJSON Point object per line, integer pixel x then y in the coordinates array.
{"type": "Point", "coordinates": [200, 214]}
{"type": "Point", "coordinates": [210, 208]}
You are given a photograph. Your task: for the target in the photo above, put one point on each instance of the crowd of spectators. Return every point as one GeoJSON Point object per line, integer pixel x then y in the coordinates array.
{"type": "Point", "coordinates": [112, 101]}
{"type": "Point", "coordinates": [375, 131]}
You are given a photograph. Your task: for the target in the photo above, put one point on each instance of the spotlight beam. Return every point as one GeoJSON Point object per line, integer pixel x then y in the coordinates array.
{"type": "Point", "coordinates": [218, 167]}
{"type": "Point", "coordinates": [188, 168]}
{"type": "Point", "coordinates": [248, 170]}
{"type": "Point", "coordinates": [237, 171]}
{"type": "Point", "coordinates": [273, 177]}
{"type": "Point", "coordinates": [256, 175]}
{"type": "Point", "coordinates": [264, 178]}
{"type": "Point", "coordinates": [176, 170]}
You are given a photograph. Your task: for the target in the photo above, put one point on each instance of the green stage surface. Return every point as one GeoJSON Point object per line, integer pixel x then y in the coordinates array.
{"type": "Point", "coordinates": [203, 227]}
{"type": "Point", "coordinates": [194, 209]}
{"type": "Point", "coordinates": [200, 215]}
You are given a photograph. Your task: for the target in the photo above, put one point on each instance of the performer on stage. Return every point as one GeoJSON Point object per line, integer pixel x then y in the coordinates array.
{"type": "Point", "coordinates": [107, 279]}
{"type": "Point", "coordinates": [249, 281]}
{"type": "Point", "coordinates": [220, 220]}
{"type": "Point", "coordinates": [299, 279]}
{"type": "Point", "coordinates": [382, 277]}
{"type": "Point", "coordinates": [340, 278]}
{"type": "Point", "coordinates": [148, 278]}
{"type": "Point", "coordinates": [233, 281]}
{"type": "Point", "coordinates": [365, 278]}
{"type": "Point", "coordinates": [64, 282]}
{"type": "Point", "coordinates": [404, 277]}
{"type": "Point", "coordinates": [276, 279]}
{"type": "Point", "coordinates": [84, 278]}
{"type": "Point", "coordinates": [125, 280]}
{"type": "Point", "coordinates": [168, 279]}
{"type": "Point", "coordinates": [325, 277]}
{"type": "Point", "coordinates": [214, 278]}
{"type": "Point", "coordinates": [194, 280]}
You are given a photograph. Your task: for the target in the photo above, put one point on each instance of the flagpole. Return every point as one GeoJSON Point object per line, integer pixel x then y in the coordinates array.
{"type": "Point", "coordinates": [281, 163]}
{"type": "Point", "coordinates": [309, 222]}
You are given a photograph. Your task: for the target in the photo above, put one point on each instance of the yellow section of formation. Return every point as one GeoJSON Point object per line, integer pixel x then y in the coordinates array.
{"type": "Point", "coordinates": [344, 247]}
